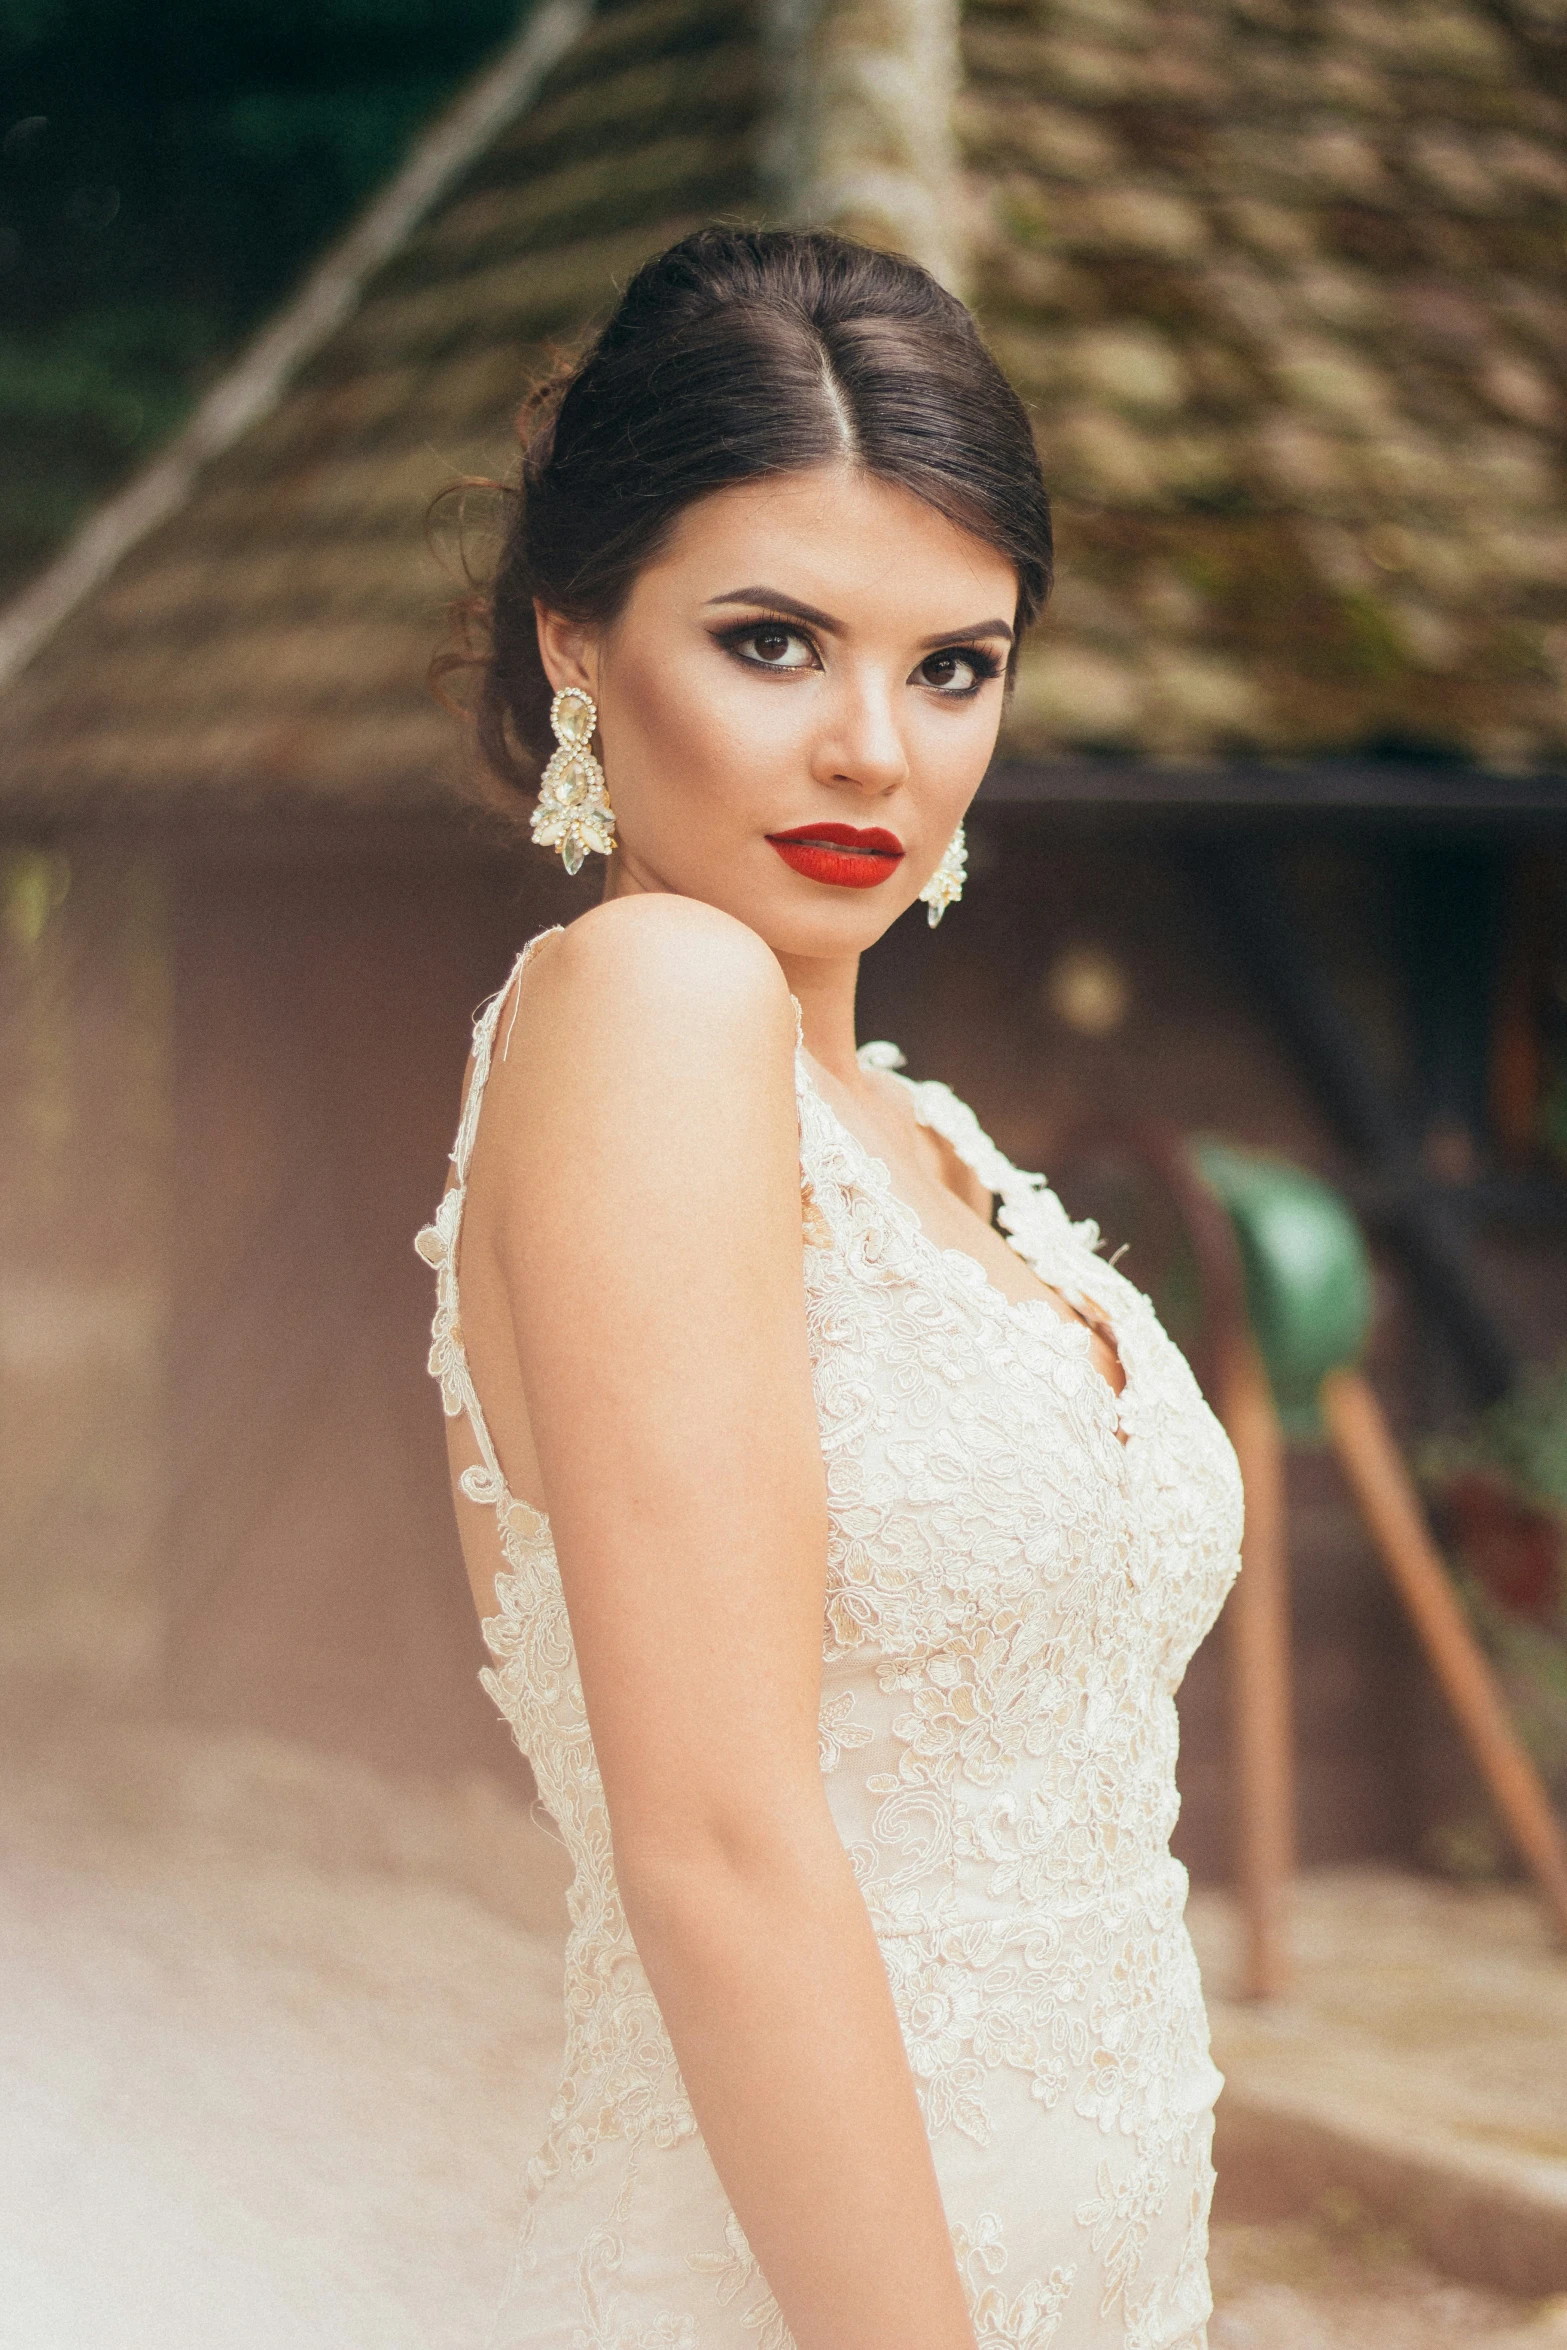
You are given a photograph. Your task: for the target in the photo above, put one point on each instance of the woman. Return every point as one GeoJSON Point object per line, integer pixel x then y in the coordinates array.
{"type": "Point", "coordinates": [839, 1552]}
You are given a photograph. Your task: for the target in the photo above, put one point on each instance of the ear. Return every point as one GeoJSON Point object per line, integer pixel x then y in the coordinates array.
{"type": "Point", "coordinates": [568, 650]}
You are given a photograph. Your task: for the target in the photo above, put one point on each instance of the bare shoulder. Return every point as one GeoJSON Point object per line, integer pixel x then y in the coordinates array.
{"type": "Point", "coordinates": [648, 1006]}
{"type": "Point", "coordinates": [654, 965]}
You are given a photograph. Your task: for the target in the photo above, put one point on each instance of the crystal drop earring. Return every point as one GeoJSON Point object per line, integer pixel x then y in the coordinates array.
{"type": "Point", "coordinates": [945, 885]}
{"type": "Point", "coordinates": [573, 814]}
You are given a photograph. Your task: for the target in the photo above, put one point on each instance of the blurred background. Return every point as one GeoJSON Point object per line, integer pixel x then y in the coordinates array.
{"type": "Point", "coordinates": [1275, 850]}
{"type": "Point", "coordinates": [167, 173]}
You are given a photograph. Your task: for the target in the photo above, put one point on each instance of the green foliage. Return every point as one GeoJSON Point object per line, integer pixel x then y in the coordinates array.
{"type": "Point", "coordinates": [1525, 1437]}
{"type": "Point", "coordinates": [1501, 1488]}
{"type": "Point", "coordinates": [166, 170]}
{"type": "Point", "coordinates": [76, 404]}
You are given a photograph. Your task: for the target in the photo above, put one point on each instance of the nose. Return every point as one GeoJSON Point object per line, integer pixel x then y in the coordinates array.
{"type": "Point", "coordinates": [861, 747]}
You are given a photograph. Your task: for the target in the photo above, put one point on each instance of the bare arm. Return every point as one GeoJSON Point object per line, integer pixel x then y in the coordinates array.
{"type": "Point", "coordinates": [652, 1255]}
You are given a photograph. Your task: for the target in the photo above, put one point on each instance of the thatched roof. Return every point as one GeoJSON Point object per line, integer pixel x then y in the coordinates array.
{"type": "Point", "coordinates": [1283, 285]}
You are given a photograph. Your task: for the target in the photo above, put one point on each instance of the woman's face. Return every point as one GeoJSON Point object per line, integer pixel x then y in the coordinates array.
{"type": "Point", "coordinates": [797, 703]}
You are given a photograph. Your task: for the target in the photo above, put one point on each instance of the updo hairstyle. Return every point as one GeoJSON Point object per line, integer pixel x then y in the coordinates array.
{"type": "Point", "coordinates": [737, 355]}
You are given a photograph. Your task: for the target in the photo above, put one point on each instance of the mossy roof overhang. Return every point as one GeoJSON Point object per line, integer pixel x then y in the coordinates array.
{"type": "Point", "coordinates": [1284, 290]}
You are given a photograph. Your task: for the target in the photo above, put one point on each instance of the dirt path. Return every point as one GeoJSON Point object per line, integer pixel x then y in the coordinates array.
{"type": "Point", "coordinates": [259, 2102]}
{"type": "Point", "coordinates": [1331, 2283]}
{"type": "Point", "coordinates": [254, 2106]}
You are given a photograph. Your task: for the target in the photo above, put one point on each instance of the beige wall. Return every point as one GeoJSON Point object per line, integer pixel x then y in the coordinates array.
{"type": "Point", "coordinates": [323, 1003]}
{"type": "Point", "coordinates": [85, 1225]}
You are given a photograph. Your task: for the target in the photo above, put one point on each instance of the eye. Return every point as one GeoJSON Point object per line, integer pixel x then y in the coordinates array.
{"type": "Point", "coordinates": [771, 645]}
{"type": "Point", "coordinates": [958, 672]}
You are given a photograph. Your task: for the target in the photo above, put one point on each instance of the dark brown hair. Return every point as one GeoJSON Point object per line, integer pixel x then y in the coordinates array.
{"type": "Point", "coordinates": [739, 354]}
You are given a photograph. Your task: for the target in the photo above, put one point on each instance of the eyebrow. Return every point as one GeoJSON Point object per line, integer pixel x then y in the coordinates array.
{"type": "Point", "coordinates": [771, 601]}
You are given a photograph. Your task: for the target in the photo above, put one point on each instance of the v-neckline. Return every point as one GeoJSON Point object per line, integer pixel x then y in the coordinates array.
{"type": "Point", "coordinates": [1075, 1333]}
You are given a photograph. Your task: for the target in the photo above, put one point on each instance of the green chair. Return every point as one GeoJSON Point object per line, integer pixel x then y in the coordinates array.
{"type": "Point", "coordinates": [1308, 1276]}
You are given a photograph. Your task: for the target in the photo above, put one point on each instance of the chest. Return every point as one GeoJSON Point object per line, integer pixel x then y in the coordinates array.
{"type": "Point", "coordinates": [980, 1492]}
{"type": "Point", "coordinates": [985, 1480]}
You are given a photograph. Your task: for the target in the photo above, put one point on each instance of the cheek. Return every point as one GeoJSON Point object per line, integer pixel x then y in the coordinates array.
{"type": "Point", "coordinates": [698, 732]}
{"type": "Point", "coordinates": [951, 749]}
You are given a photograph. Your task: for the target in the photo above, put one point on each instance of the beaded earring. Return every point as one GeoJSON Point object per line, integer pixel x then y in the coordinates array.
{"type": "Point", "coordinates": [573, 814]}
{"type": "Point", "coordinates": [945, 885]}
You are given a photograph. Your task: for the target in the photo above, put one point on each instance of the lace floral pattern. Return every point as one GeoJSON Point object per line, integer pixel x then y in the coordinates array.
{"type": "Point", "coordinates": [1028, 2320]}
{"type": "Point", "coordinates": [1020, 1566]}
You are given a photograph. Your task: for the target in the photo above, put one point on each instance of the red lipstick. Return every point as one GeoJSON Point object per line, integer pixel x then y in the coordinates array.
{"type": "Point", "coordinates": [840, 853]}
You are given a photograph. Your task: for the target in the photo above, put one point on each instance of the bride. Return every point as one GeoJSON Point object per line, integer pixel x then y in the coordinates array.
{"type": "Point", "coordinates": [841, 1523]}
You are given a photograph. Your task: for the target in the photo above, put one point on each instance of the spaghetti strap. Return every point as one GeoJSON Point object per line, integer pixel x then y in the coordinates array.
{"type": "Point", "coordinates": [486, 1021]}
{"type": "Point", "coordinates": [439, 1244]}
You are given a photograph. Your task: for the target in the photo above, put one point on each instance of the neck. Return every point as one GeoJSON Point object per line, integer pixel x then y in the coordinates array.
{"type": "Point", "coordinates": [824, 989]}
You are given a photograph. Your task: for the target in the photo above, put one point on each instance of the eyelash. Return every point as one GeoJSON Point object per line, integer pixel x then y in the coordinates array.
{"type": "Point", "coordinates": [985, 664]}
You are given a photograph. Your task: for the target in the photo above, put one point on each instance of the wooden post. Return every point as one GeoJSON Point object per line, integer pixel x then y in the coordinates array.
{"type": "Point", "coordinates": [1391, 1507]}
{"type": "Point", "coordinates": [1258, 1632]}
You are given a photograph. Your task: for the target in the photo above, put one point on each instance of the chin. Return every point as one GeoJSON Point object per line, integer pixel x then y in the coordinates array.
{"type": "Point", "coordinates": [810, 920]}
{"type": "Point", "coordinates": [843, 924]}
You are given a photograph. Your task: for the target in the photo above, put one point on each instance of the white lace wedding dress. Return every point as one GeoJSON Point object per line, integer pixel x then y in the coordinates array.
{"type": "Point", "coordinates": [1013, 1595]}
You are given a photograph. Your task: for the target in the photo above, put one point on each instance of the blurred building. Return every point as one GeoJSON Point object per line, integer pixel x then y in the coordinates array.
{"type": "Point", "coordinates": [1274, 846]}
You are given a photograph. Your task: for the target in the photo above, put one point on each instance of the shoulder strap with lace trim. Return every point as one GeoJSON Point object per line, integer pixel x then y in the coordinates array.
{"type": "Point", "coordinates": [486, 1021]}
{"type": "Point", "coordinates": [439, 1242]}
{"type": "Point", "coordinates": [1030, 1213]}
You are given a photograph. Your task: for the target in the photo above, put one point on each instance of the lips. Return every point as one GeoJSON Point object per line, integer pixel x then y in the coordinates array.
{"type": "Point", "coordinates": [840, 854]}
